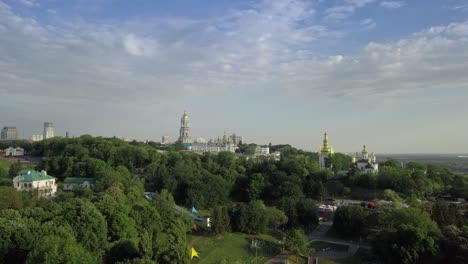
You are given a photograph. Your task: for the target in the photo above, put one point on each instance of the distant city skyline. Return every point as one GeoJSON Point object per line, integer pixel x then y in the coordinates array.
{"type": "Point", "coordinates": [387, 74]}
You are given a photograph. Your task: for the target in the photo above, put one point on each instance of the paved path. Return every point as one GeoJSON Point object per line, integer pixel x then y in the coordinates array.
{"type": "Point", "coordinates": [280, 258]}
{"type": "Point", "coordinates": [319, 234]}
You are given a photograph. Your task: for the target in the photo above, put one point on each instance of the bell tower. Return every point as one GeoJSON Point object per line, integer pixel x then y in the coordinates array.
{"type": "Point", "coordinates": [184, 132]}
{"type": "Point", "coordinates": [325, 152]}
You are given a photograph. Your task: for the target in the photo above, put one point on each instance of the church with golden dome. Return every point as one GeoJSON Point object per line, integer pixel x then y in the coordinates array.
{"type": "Point", "coordinates": [325, 153]}
{"type": "Point", "coordinates": [366, 163]}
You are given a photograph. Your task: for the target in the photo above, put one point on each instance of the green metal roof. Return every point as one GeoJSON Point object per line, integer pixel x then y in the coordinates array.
{"type": "Point", "coordinates": [78, 180]}
{"type": "Point", "coordinates": [32, 175]}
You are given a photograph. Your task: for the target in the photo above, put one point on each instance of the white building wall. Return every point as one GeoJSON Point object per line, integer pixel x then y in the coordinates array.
{"type": "Point", "coordinates": [16, 152]}
{"type": "Point", "coordinates": [262, 151]}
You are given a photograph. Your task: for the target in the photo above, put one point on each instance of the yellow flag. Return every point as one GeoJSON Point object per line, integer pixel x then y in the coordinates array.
{"type": "Point", "coordinates": [194, 253]}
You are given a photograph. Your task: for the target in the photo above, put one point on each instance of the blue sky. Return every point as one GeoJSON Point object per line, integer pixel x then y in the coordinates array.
{"type": "Point", "coordinates": [389, 74]}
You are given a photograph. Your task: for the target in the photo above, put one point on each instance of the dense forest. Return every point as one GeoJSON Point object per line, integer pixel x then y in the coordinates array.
{"type": "Point", "coordinates": [115, 223]}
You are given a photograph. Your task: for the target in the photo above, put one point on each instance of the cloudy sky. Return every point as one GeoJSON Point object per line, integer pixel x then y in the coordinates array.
{"type": "Point", "coordinates": [389, 74]}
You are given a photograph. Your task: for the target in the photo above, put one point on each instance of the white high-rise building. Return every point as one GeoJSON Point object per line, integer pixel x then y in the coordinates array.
{"type": "Point", "coordinates": [184, 133]}
{"type": "Point", "coordinates": [36, 138]}
{"type": "Point", "coordinates": [9, 133]}
{"type": "Point", "coordinates": [48, 130]}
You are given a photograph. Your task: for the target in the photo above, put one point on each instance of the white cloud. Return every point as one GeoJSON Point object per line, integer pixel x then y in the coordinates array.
{"type": "Point", "coordinates": [461, 7]}
{"type": "Point", "coordinates": [359, 3]}
{"type": "Point", "coordinates": [90, 69]}
{"type": "Point", "coordinates": [265, 45]}
{"type": "Point", "coordinates": [29, 3]}
{"type": "Point", "coordinates": [392, 4]}
{"type": "Point", "coordinates": [368, 23]}
{"type": "Point", "coordinates": [343, 11]}
{"type": "Point", "coordinates": [431, 60]}
{"type": "Point", "coordinates": [139, 47]}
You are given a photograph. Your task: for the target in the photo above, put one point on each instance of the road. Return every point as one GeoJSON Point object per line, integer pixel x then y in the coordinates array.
{"type": "Point", "coordinates": [319, 234]}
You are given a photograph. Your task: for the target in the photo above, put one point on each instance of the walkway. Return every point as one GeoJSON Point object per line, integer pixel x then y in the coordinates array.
{"type": "Point", "coordinates": [320, 234]}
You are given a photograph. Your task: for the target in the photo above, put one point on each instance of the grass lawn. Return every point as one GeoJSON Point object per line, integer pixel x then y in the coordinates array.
{"type": "Point", "coordinates": [229, 248]}
{"type": "Point", "coordinates": [267, 237]}
{"type": "Point", "coordinates": [5, 163]}
{"type": "Point", "coordinates": [4, 167]}
{"type": "Point", "coordinates": [320, 246]}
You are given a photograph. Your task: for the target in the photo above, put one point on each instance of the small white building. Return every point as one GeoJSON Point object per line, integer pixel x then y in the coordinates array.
{"type": "Point", "coordinates": [36, 138]}
{"type": "Point", "coordinates": [14, 152]}
{"type": "Point", "coordinates": [276, 155]}
{"type": "Point", "coordinates": [262, 151]}
{"type": "Point", "coordinates": [71, 183]}
{"type": "Point", "coordinates": [30, 180]}
{"type": "Point", "coordinates": [211, 147]}
{"type": "Point", "coordinates": [366, 163]}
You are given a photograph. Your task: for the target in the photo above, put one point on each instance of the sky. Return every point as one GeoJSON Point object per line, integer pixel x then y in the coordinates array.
{"type": "Point", "coordinates": [389, 74]}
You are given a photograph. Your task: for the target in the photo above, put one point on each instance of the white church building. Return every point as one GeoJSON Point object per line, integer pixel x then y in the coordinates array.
{"type": "Point", "coordinates": [366, 163]}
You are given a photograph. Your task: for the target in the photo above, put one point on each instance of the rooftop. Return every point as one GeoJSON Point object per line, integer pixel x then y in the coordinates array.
{"type": "Point", "coordinates": [32, 175]}
{"type": "Point", "coordinates": [78, 180]}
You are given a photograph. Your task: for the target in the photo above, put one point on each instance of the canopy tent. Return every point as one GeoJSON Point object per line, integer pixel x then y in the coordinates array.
{"type": "Point", "coordinates": [193, 210]}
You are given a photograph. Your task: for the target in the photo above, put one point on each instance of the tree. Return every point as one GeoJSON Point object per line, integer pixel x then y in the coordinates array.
{"type": "Point", "coordinates": [250, 218]}
{"type": "Point", "coordinates": [18, 236]}
{"type": "Point", "coordinates": [411, 238]}
{"type": "Point", "coordinates": [447, 214]}
{"type": "Point", "coordinates": [10, 198]}
{"type": "Point", "coordinates": [220, 220]}
{"type": "Point", "coordinates": [307, 214]}
{"type": "Point", "coordinates": [391, 163]}
{"type": "Point", "coordinates": [124, 250]}
{"type": "Point", "coordinates": [115, 207]}
{"type": "Point", "coordinates": [298, 243]}
{"type": "Point", "coordinates": [276, 217]}
{"type": "Point", "coordinates": [171, 246]}
{"type": "Point", "coordinates": [350, 221]}
{"type": "Point", "coordinates": [454, 245]}
{"type": "Point", "coordinates": [256, 186]}
{"type": "Point", "coordinates": [87, 223]}
{"type": "Point", "coordinates": [314, 189]}
{"type": "Point", "coordinates": [353, 175]}
{"type": "Point", "coordinates": [392, 196]}
{"type": "Point", "coordinates": [14, 170]}
{"type": "Point", "coordinates": [58, 250]}
{"type": "Point", "coordinates": [334, 187]}
{"type": "Point", "coordinates": [340, 162]}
